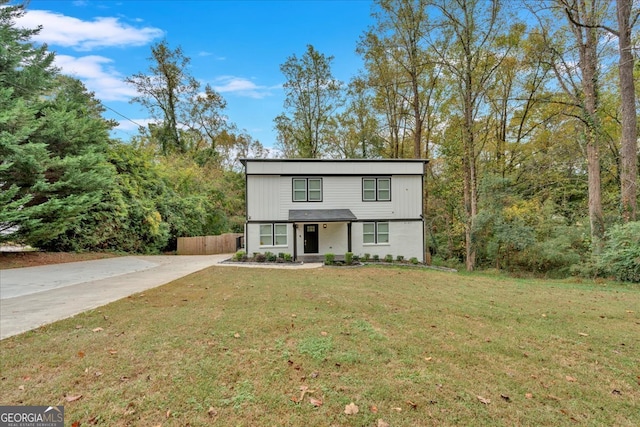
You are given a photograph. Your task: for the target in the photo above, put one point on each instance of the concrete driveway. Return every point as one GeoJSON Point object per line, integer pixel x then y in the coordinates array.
{"type": "Point", "coordinates": [35, 296]}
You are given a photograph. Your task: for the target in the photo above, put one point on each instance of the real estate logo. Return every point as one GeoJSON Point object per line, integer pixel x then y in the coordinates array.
{"type": "Point", "coordinates": [31, 416]}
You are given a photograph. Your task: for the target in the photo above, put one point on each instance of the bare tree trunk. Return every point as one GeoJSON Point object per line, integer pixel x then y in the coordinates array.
{"type": "Point", "coordinates": [583, 21]}
{"type": "Point", "coordinates": [470, 196]}
{"type": "Point", "coordinates": [629, 145]}
{"type": "Point", "coordinates": [589, 59]}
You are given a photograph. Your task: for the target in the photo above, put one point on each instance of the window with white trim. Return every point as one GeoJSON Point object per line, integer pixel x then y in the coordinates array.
{"type": "Point", "coordinates": [376, 189]}
{"type": "Point", "coordinates": [307, 189]}
{"type": "Point", "coordinates": [375, 233]}
{"type": "Point", "coordinates": [273, 234]}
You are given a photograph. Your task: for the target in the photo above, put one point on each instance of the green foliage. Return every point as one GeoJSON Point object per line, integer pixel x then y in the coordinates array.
{"type": "Point", "coordinates": [376, 258]}
{"type": "Point", "coordinates": [312, 96]}
{"type": "Point", "coordinates": [400, 258]}
{"type": "Point", "coordinates": [388, 258]}
{"type": "Point", "coordinates": [287, 258]}
{"type": "Point", "coordinates": [621, 255]}
{"type": "Point", "coordinates": [240, 256]}
{"type": "Point", "coordinates": [348, 258]}
{"type": "Point", "coordinates": [555, 254]}
{"type": "Point", "coordinates": [414, 261]}
{"type": "Point", "coordinates": [329, 259]}
{"type": "Point", "coordinates": [366, 257]}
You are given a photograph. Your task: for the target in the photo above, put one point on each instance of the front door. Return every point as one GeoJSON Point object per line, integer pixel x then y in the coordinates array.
{"type": "Point", "coordinates": [311, 238]}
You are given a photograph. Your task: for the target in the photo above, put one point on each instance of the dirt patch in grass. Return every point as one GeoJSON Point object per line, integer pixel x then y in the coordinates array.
{"type": "Point", "coordinates": [35, 258]}
{"type": "Point", "coordinates": [252, 347]}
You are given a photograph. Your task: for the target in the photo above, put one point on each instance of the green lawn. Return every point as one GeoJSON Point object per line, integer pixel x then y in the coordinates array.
{"type": "Point", "coordinates": [411, 347]}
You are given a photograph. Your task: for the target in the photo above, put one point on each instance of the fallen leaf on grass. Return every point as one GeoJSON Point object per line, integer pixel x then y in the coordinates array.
{"type": "Point", "coordinates": [75, 424]}
{"type": "Point", "coordinates": [505, 397]}
{"type": "Point", "coordinates": [113, 352]}
{"type": "Point", "coordinates": [374, 409]}
{"type": "Point", "coordinates": [582, 334]}
{"type": "Point", "coordinates": [81, 354]}
{"type": "Point", "coordinates": [484, 400]}
{"type": "Point", "coordinates": [324, 333]}
{"type": "Point", "coordinates": [236, 335]}
{"type": "Point", "coordinates": [315, 402]}
{"type": "Point", "coordinates": [570, 379]}
{"type": "Point", "coordinates": [73, 398]}
{"type": "Point", "coordinates": [382, 423]}
{"type": "Point", "coordinates": [529, 395]}
{"type": "Point", "coordinates": [212, 412]}
{"type": "Point", "coordinates": [168, 414]}
{"type": "Point", "coordinates": [351, 409]}
{"type": "Point", "coordinates": [413, 405]}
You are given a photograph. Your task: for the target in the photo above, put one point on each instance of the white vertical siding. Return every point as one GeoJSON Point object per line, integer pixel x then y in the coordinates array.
{"type": "Point", "coordinates": [405, 238]}
{"type": "Point", "coordinates": [263, 198]}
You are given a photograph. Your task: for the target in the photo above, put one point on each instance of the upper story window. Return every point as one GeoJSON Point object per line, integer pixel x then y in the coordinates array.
{"type": "Point", "coordinates": [307, 189]}
{"type": "Point", "coordinates": [376, 189]}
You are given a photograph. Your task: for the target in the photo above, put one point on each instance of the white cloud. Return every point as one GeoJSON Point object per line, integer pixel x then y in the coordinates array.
{"type": "Point", "coordinates": [241, 86]}
{"type": "Point", "coordinates": [216, 58]}
{"type": "Point", "coordinates": [95, 73]}
{"type": "Point", "coordinates": [133, 124]}
{"type": "Point", "coordinates": [67, 31]}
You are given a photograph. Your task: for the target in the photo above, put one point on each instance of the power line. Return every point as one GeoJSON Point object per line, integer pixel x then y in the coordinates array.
{"type": "Point", "coordinates": [122, 115]}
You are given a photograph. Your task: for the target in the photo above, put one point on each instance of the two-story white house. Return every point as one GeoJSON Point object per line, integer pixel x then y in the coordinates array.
{"type": "Point", "coordinates": [308, 207]}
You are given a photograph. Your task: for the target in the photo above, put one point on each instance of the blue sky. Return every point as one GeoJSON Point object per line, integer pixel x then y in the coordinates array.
{"type": "Point", "coordinates": [236, 46]}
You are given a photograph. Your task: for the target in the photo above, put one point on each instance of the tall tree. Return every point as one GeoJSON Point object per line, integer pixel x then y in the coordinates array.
{"type": "Point", "coordinates": [312, 96]}
{"type": "Point", "coordinates": [402, 28]}
{"type": "Point", "coordinates": [52, 141]}
{"type": "Point", "coordinates": [79, 183]}
{"type": "Point", "coordinates": [390, 93]}
{"type": "Point", "coordinates": [25, 72]}
{"type": "Point", "coordinates": [187, 119]}
{"type": "Point", "coordinates": [629, 141]}
{"type": "Point", "coordinates": [463, 39]}
{"type": "Point", "coordinates": [581, 83]}
{"type": "Point", "coordinates": [358, 133]}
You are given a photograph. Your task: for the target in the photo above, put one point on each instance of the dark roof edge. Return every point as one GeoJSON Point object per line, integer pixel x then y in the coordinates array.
{"type": "Point", "coordinates": [244, 160]}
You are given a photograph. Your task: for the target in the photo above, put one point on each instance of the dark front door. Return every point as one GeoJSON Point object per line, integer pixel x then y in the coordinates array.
{"type": "Point", "coordinates": [311, 238]}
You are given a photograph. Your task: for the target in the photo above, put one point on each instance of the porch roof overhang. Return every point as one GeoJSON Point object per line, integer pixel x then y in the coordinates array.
{"type": "Point", "coordinates": [321, 215]}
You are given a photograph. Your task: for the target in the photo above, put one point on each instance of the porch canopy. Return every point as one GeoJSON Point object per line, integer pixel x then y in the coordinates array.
{"type": "Point", "coordinates": [321, 215]}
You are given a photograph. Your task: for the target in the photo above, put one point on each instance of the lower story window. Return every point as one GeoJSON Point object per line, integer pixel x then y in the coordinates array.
{"type": "Point", "coordinates": [375, 232]}
{"type": "Point", "coordinates": [273, 235]}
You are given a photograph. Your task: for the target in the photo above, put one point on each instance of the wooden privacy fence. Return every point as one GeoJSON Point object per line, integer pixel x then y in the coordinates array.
{"type": "Point", "coordinates": [210, 245]}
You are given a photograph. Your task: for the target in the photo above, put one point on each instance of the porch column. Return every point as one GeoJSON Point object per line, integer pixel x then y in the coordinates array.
{"type": "Point", "coordinates": [295, 241]}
